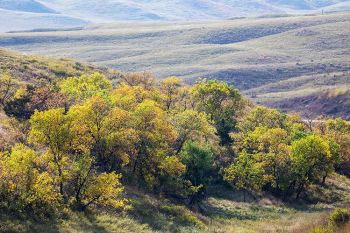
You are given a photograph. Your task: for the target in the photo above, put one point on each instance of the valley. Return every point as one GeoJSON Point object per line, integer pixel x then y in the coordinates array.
{"type": "Point", "coordinates": [274, 61]}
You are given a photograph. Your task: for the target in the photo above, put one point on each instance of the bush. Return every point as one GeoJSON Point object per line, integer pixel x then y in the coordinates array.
{"type": "Point", "coordinates": [321, 230]}
{"type": "Point", "coordinates": [182, 215]}
{"type": "Point", "coordinates": [339, 217]}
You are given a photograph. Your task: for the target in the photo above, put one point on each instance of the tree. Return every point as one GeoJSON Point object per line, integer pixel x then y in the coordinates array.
{"type": "Point", "coordinates": [92, 188]}
{"type": "Point", "coordinates": [81, 88]}
{"type": "Point", "coordinates": [44, 98]}
{"type": "Point", "coordinates": [221, 102]}
{"type": "Point", "coordinates": [170, 88]}
{"type": "Point", "coordinates": [7, 88]}
{"type": "Point", "coordinates": [310, 157]}
{"type": "Point", "coordinates": [246, 173]}
{"type": "Point", "coordinates": [192, 125]}
{"type": "Point", "coordinates": [52, 129]}
{"type": "Point", "coordinates": [155, 135]}
{"type": "Point", "coordinates": [129, 97]}
{"type": "Point", "coordinates": [143, 79]}
{"type": "Point", "coordinates": [23, 184]}
{"type": "Point", "coordinates": [263, 117]}
{"type": "Point", "coordinates": [338, 130]}
{"type": "Point", "coordinates": [199, 161]}
{"type": "Point", "coordinates": [88, 125]}
{"type": "Point", "coordinates": [104, 132]}
{"type": "Point", "coordinates": [171, 175]}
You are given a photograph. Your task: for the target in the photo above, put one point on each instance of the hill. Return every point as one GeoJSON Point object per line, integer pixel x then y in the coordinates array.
{"type": "Point", "coordinates": [269, 59]}
{"type": "Point", "coordinates": [22, 21]}
{"type": "Point", "coordinates": [39, 70]}
{"type": "Point", "coordinates": [25, 5]}
{"type": "Point", "coordinates": [113, 10]}
{"type": "Point", "coordinates": [72, 13]}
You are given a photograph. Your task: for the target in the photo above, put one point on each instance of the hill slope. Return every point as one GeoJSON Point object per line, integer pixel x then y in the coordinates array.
{"type": "Point", "coordinates": [19, 20]}
{"type": "Point", "coordinates": [270, 59]}
{"type": "Point", "coordinates": [72, 13]}
{"type": "Point", "coordinates": [25, 5]}
{"type": "Point", "coordinates": [112, 10]}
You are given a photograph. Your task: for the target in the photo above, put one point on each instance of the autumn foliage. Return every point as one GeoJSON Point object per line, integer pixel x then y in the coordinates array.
{"type": "Point", "coordinates": [88, 138]}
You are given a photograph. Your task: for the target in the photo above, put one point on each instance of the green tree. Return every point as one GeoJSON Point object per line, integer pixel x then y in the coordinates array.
{"type": "Point", "coordinates": [246, 173]}
{"type": "Point", "coordinates": [221, 102]}
{"type": "Point", "coordinates": [310, 158]}
{"type": "Point", "coordinates": [199, 161]}
{"type": "Point", "coordinates": [86, 86]}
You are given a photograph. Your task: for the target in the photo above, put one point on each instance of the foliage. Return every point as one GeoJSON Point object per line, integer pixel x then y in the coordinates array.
{"type": "Point", "coordinates": [221, 102]}
{"type": "Point", "coordinates": [87, 139]}
{"type": "Point", "coordinates": [24, 183]}
{"type": "Point", "coordinates": [339, 217]}
{"type": "Point", "coordinates": [86, 86]}
{"type": "Point", "coordinates": [7, 88]}
{"type": "Point", "coordinates": [171, 88]}
{"type": "Point", "coordinates": [246, 172]}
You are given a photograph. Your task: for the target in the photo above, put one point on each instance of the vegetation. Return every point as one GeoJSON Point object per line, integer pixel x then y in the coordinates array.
{"type": "Point", "coordinates": [251, 53]}
{"type": "Point", "coordinates": [90, 145]}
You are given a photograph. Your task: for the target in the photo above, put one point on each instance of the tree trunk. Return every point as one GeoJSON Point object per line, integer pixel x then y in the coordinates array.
{"type": "Point", "coordinates": [300, 189]}
{"type": "Point", "coordinates": [324, 179]}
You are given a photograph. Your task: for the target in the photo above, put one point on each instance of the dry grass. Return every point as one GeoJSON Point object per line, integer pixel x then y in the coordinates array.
{"type": "Point", "coordinates": [270, 59]}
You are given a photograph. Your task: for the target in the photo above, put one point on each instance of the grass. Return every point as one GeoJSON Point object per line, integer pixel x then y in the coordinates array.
{"type": "Point", "coordinates": [38, 70]}
{"type": "Point", "coordinates": [224, 211]}
{"type": "Point", "coordinates": [272, 60]}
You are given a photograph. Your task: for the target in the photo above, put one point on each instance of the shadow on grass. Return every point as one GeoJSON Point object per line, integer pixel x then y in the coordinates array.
{"type": "Point", "coordinates": [24, 223]}
{"type": "Point", "coordinates": [219, 212]}
{"type": "Point", "coordinates": [146, 212]}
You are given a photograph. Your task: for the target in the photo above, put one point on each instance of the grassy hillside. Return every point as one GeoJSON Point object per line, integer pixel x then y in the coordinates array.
{"type": "Point", "coordinates": [38, 70]}
{"type": "Point", "coordinates": [269, 59]}
{"type": "Point", "coordinates": [223, 211]}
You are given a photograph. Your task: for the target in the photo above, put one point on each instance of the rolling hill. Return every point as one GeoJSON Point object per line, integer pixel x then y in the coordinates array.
{"type": "Point", "coordinates": [25, 5]}
{"type": "Point", "coordinates": [72, 13]}
{"type": "Point", "coordinates": [116, 10]}
{"type": "Point", "coordinates": [272, 60]}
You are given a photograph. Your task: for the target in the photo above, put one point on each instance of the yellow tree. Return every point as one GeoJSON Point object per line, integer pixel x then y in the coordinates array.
{"type": "Point", "coordinates": [7, 88]}
{"type": "Point", "coordinates": [170, 88]}
{"type": "Point", "coordinates": [52, 129]}
{"type": "Point", "coordinates": [92, 188]}
{"type": "Point", "coordinates": [23, 183]}
{"type": "Point", "coordinates": [128, 97]}
{"type": "Point", "coordinates": [155, 137]}
{"type": "Point", "coordinates": [103, 131]}
{"type": "Point", "coordinates": [88, 125]}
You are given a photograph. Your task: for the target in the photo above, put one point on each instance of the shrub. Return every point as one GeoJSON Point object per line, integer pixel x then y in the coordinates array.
{"type": "Point", "coordinates": [339, 217]}
{"type": "Point", "coordinates": [182, 215]}
{"type": "Point", "coordinates": [321, 230]}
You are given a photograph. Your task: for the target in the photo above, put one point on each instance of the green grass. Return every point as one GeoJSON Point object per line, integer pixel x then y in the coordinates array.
{"type": "Point", "coordinates": [224, 211]}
